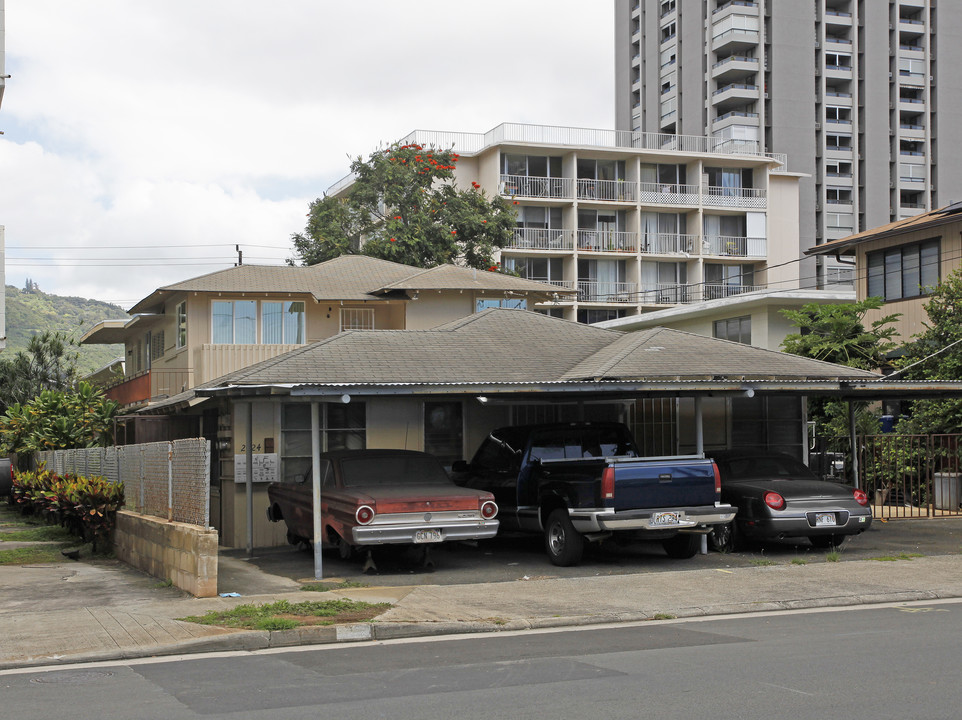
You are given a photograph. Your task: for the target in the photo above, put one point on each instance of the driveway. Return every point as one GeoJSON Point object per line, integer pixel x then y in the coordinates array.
{"type": "Point", "coordinates": [516, 557]}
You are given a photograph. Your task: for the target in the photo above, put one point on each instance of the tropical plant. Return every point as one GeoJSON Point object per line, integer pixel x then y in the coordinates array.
{"type": "Point", "coordinates": [404, 205]}
{"type": "Point", "coordinates": [48, 363]}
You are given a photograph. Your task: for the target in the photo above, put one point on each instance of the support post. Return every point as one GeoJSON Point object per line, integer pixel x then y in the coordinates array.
{"type": "Point", "coordinates": [700, 450]}
{"type": "Point", "coordinates": [316, 482]}
{"type": "Point", "coordinates": [249, 485]}
{"type": "Point", "coordinates": [853, 439]}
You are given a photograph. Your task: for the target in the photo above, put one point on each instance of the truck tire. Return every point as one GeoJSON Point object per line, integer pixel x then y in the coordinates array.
{"type": "Point", "coordinates": [682, 546]}
{"type": "Point", "coordinates": [562, 542]}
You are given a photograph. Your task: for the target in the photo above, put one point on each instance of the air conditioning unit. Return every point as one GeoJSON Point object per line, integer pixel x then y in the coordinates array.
{"type": "Point", "coordinates": [818, 126]}
{"type": "Point", "coordinates": [817, 44]}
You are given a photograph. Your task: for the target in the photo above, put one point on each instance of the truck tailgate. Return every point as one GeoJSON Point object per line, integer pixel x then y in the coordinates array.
{"type": "Point", "coordinates": [663, 483]}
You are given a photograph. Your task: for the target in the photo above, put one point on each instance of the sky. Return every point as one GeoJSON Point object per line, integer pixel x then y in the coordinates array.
{"type": "Point", "coordinates": [144, 140]}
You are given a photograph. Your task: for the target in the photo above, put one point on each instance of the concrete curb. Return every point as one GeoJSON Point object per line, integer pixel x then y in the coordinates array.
{"type": "Point", "coordinates": [252, 640]}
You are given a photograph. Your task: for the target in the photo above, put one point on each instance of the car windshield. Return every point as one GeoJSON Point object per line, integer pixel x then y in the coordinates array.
{"type": "Point", "coordinates": [582, 443]}
{"type": "Point", "coordinates": [393, 470]}
{"type": "Point", "coordinates": [769, 466]}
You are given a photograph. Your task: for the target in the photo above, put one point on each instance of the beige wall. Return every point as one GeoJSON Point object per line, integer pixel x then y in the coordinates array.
{"type": "Point", "coordinates": [433, 308]}
{"type": "Point", "coordinates": [783, 242]}
{"type": "Point", "coordinates": [912, 310]}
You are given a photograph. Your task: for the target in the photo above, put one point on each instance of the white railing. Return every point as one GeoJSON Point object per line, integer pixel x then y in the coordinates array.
{"type": "Point", "coordinates": [541, 239]}
{"type": "Point", "coordinates": [607, 241]}
{"type": "Point", "coordinates": [655, 243]}
{"type": "Point", "coordinates": [536, 187]}
{"type": "Point", "coordinates": [717, 196]}
{"type": "Point", "coordinates": [665, 194]}
{"type": "Point", "coordinates": [609, 190]}
{"type": "Point", "coordinates": [606, 292]}
{"type": "Point", "coordinates": [716, 291]}
{"type": "Point", "coordinates": [734, 246]}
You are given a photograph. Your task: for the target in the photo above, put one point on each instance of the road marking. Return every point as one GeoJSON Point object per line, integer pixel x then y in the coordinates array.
{"type": "Point", "coordinates": [730, 572]}
{"type": "Point", "coordinates": [782, 687]}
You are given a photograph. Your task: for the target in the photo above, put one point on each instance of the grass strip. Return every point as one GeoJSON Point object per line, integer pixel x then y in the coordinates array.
{"type": "Point", "coordinates": [41, 533]}
{"type": "Point", "coordinates": [900, 556]}
{"type": "Point", "coordinates": [31, 555]}
{"type": "Point", "coordinates": [283, 615]}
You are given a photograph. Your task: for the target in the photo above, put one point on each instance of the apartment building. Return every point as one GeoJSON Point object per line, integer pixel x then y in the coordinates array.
{"type": "Point", "coordinates": [862, 96]}
{"type": "Point", "coordinates": [633, 221]}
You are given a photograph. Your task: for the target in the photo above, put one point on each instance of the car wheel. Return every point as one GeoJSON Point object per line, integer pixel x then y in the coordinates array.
{"type": "Point", "coordinates": [724, 538]}
{"type": "Point", "coordinates": [562, 542]}
{"type": "Point", "coordinates": [344, 548]}
{"type": "Point", "coordinates": [682, 546]}
{"type": "Point", "coordinates": [823, 542]}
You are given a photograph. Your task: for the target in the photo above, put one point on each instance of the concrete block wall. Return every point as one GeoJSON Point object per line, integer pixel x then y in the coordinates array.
{"type": "Point", "coordinates": [184, 554]}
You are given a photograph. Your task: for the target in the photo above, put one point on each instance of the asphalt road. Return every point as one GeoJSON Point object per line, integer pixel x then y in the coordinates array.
{"type": "Point", "coordinates": [513, 557]}
{"type": "Point", "coordinates": [878, 662]}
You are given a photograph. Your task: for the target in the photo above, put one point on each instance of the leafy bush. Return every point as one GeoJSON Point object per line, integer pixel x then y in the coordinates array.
{"type": "Point", "coordinates": [85, 506]}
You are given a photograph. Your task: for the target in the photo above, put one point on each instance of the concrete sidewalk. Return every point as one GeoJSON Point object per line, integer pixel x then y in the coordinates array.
{"type": "Point", "coordinates": [81, 612]}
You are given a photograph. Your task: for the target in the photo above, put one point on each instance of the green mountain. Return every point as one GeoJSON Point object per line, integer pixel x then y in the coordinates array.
{"type": "Point", "coordinates": [30, 312]}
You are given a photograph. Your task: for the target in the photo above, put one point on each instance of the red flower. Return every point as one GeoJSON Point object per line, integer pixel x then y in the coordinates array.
{"type": "Point", "coordinates": [484, 222]}
{"type": "Point", "coordinates": [454, 232]}
{"type": "Point", "coordinates": [515, 202]}
{"type": "Point", "coordinates": [393, 240]}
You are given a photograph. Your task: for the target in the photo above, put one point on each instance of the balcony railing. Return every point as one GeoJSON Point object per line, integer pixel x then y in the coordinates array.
{"type": "Point", "coordinates": [667, 194]}
{"type": "Point", "coordinates": [607, 241]}
{"type": "Point", "coordinates": [716, 291]}
{"type": "Point", "coordinates": [665, 294]}
{"type": "Point", "coordinates": [536, 187]}
{"type": "Point", "coordinates": [541, 239]}
{"type": "Point", "coordinates": [657, 243]}
{"type": "Point", "coordinates": [609, 190]}
{"type": "Point", "coordinates": [735, 246]}
{"type": "Point", "coordinates": [607, 292]}
{"type": "Point", "coordinates": [718, 196]}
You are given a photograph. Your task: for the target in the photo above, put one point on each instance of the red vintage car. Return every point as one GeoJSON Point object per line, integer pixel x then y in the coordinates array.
{"type": "Point", "coordinates": [374, 497]}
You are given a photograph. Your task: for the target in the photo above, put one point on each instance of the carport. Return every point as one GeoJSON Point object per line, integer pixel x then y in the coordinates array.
{"type": "Point", "coordinates": [495, 364]}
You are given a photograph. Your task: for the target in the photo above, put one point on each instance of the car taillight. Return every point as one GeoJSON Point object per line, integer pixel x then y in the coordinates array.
{"type": "Point", "coordinates": [861, 497]}
{"type": "Point", "coordinates": [364, 515]}
{"type": "Point", "coordinates": [774, 500]}
{"type": "Point", "coordinates": [489, 510]}
{"type": "Point", "coordinates": [608, 484]}
{"type": "Point", "coordinates": [714, 467]}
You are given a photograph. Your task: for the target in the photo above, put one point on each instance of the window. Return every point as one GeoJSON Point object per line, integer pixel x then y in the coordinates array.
{"type": "Point", "coordinates": [592, 316]}
{"type": "Point", "coordinates": [668, 32]}
{"type": "Point", "coordinates": [838, 196]}
{"type": "Point", "coordinates": [735, 329]}
{"type": "Point", "coordinates": [156, 344]}
{"type": "Point", "coordinates": [357, 319]}
{"type": "Point", "coordinates": [444, 431]}
{"type": "Point", "coordinates": [510, 303]}
{"type": "Point", "coordinates": [835, 142]}
{"type": "Point", "coordinates": [181, 324]}
{"type": "Point", "coordinates": [911, 173]}
{"type": "Point", "coordinates": [536, 268]}
{"type": "Point", "coordinates": [903, 272]}
{"type": "Point", "coordinates": [342, 427]}
{"type": "Point", "coordinates": [530, 165]}
{"type": "Point", "coordinates": [282, 323]}
{"type": "Point", "coordinates": [234, 322]}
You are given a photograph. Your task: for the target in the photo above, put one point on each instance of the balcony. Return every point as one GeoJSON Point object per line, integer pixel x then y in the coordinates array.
{"type": "Point", "coordinates": [735, 246]}
{"type": "Point", "coordinates": [606, 190]}
{"type": "Point", "coordinates": [657, 243]}
{"type": "Point", "coordinates": [607, 292]}
{"type": "Point", "coordinates": [149, 385]}
{"type": "Point", "coordinates": [733, 95]}
{"type": "Point", "coordinates": [541, 239]}
{"type": "Point", "coordinates": [607, 241]}
{"type": "Point", "coordinates": [734, 197]}
{"type": "Point", "coordinates": [525, 186]}
{"type": "Point", "coordinates": [733, 67]}
{"type": "Point", "coordinates": [734, 40]}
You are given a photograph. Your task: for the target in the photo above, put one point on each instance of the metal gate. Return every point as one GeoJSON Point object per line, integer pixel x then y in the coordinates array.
{"type": "Point", "coordinates": [905, 476]}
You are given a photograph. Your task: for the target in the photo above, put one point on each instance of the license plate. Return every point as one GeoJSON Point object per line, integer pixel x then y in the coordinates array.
{"type": "Point", "coordinates": [427, 536]}
{"type": "Point", "coordinates": [824, 519]}
{"type": "Point", "coordinates": [664, 518]}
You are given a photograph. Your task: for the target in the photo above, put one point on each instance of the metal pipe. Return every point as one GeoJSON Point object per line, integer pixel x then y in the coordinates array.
{"type": "Point", "coordinates": [316, 482]}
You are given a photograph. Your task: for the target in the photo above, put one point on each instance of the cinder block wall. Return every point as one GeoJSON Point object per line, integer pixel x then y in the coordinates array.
{"type": "Point", "coordinates": [184, 554]}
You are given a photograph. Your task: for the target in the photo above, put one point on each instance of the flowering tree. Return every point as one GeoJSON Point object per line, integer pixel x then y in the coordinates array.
{"type": "Point", "coordinates": [405, 206]}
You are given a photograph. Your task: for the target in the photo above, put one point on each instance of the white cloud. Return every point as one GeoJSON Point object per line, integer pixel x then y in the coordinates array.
{"type": "Point", "coordinates": [143, 126]}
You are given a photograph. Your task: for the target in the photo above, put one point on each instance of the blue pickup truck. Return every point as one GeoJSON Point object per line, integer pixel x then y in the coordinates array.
{"type": "Point", "coordinates": [579, 482]}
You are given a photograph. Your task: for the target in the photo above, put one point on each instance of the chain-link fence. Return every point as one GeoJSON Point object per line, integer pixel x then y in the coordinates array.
{"type": "Point", "coordinates": [165, 479]}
